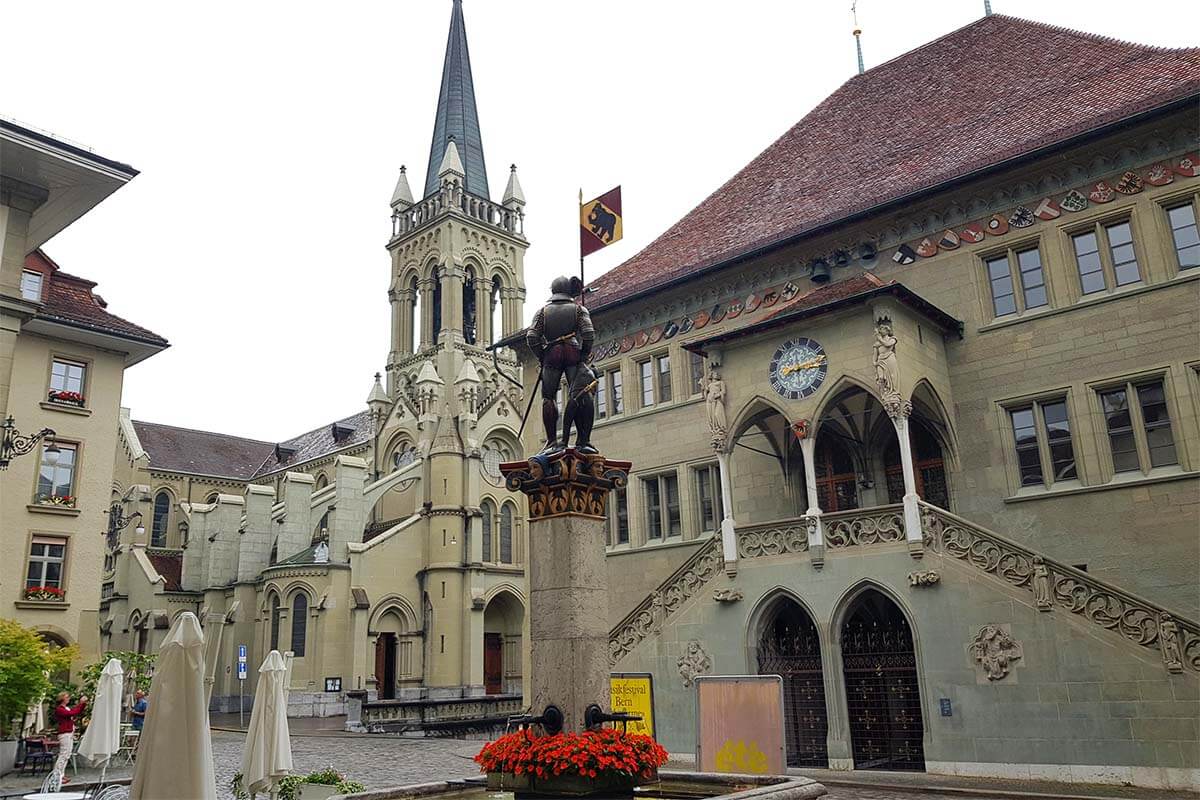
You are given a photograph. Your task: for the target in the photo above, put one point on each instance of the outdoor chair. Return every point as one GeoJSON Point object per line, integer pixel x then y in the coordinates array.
{"type": "Point", "coordinates": [111, 793]}
{"type": "Point", "coordinates": [37, 757]}
{"type": "Point", "coordinates": [53, 782]}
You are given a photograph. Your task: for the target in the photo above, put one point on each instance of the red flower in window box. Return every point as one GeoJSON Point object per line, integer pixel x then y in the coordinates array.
{"type": "Point", "coordinates": [67, 500]}
{"type": "Point", "coordinates": [45, 593]}
{"type": "Point", "coordinates": [69, 398]}
{"type": "Point", "coordinates": [606, 760]}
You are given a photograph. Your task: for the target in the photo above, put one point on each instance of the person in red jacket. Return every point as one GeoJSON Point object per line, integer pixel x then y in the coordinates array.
{"type": "Point", "coordinates": [64, 717]}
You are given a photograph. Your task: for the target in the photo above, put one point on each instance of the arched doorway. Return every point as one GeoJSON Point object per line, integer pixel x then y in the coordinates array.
{"type": "Point", "coordinates": [788, 646]}
{"type": "Point", "coordinates": [394, 633]}
{"type": "Point", "coordinates": [883, 700]}
{"type": "Point", "coordinates": [502, 620]}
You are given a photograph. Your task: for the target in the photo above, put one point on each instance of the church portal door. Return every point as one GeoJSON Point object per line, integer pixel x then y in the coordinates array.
{"type": "Point", "coordinates": [789, 647]}
{"type": "Point", "coordinates": [493, 662]}
{"type": "Point", "coordinates": [882, 696]}
{"type": "Point", "coordinates": [385, 665]}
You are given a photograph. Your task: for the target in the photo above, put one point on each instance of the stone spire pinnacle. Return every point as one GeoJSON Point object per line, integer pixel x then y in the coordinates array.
{"type": "Point", "coordinates": [456, 115]}
{"type": "Point", "coordinates": [451, 163]}
{"type": "Point", "coordinates": [513, 193]}
{"type": "Point", "coordinates": [402, 195]}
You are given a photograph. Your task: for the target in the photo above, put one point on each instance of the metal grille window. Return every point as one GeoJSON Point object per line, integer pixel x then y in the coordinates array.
{"type": "Point", "coordinates": [1105, 257]}
{"type": "Point", "coordinates": [1004, 281]}
{"type": "Point", "coordinates": [47, 557]}
{"type": "Point", "coordinates": [1139, 433]}
{"type": "Point", "coordinates": [696, 371]}
{"type": "Point", "coordinates": [618, 517]}
{"type": "Point", "coordinates": [162, 516]}
{"type": "Point", "coordinates": [708, 494]}
{"type": "Point", "coordinates": [299, 624]}
{"type": "Point", "coordinates": [56, 477]}
{"type": "Point", "coordinates": [662, 506]}
{"type": "Point", "coordinates": [31, 286]}
{"type": "Point", "coordinates": [1042, 436]}
{"type": "Point", "coordinates": [1185, 234]}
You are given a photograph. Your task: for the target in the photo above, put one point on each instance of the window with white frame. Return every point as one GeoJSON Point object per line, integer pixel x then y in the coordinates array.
{"type": "Point", "coordinates": [708, 497]}
{"type": "Point", "coordinates": [1104, 257]}
{"type": "Point", "coordinates": [56, 475]}
{"type": "Point", "coordinates": [1138, 424]}
{"type": "Point", "coordinates": [1184, 234]}
{"type": "Point", "coordinates": [67, 381]}
{"type": "Point", "coordinates": [662, 506]}
{"type": "Point", "coordinates": [1016, 280]}
{"type": "Point", "coordinates": [31, 285]}
{"type": "Point", "coordinates": [1042, 437]}
{"type": "Point", "coordinates": [47, 559]}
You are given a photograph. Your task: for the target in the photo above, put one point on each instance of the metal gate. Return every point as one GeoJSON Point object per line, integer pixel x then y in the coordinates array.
{"type": "Point", "coordinates": [789, 647]}
{"type": "Point", "coordinates": [882, 697]}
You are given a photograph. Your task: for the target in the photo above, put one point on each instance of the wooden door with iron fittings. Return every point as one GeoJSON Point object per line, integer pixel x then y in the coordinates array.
{"type": "Point", "coordinates": [493, 663]}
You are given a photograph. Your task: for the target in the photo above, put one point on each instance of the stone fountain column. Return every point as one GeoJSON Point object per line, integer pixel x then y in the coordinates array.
{"type": "Point", "coordinates": [568, 580]}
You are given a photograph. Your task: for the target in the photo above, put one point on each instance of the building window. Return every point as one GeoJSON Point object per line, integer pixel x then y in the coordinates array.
{"type": "Point", "coordinates": [616, 394]}
{"type": "Point", "coordinates": [1184, 232]}
{"type": "Point", "coordinates": [162, 517]}
{"type": "Point", "coordinates": [664, 378]}
{"type": "Point", "coordinates": [276, 612]}
{"type": "Point", "coordinates": [601, 399]}
{"type": "Point", "coordinates": [488, 511]}
{"type": "Point", "coordinates": [67, 381]}
{"type": "Point", "coordinates": [837, 482]}
{"type": "Point", "coordinates": [708, 493]}
{"type": "Point", "coordinates": [662, 506]}
{"type": "Point", "coordinates": [1028, 275]}
{"type": "Point", "coordinates": [696, 372]}
{"type": "Point", "coordinates": [299, 623]}
{"type": "Point", "coordinates": [1139, 432]}
{"type": "Point", "coordinates": [31, 286]}
{"type": "Point", "coordinates": [618, 517]}
{"type": "Point", "coordinates": [646, 370]}
{"type": "Point", "coordinates": [1117, 266]}
{"type": "Point", "coordinates": [1042, 434]}
{"type": "Point", "coordinates": [47, 556]}
{"type": "Point", "coordinates": [506, 534]}
{"type": "Point", "coordinates": [56, 476]}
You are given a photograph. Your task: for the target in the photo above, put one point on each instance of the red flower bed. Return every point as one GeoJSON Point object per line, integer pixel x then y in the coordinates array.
{"type": "Point", "coordinates": [588, 755]}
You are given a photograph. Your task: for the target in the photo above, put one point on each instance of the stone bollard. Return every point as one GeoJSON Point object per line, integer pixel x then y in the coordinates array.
{"type": "Point", "coordinates": [568, 580]}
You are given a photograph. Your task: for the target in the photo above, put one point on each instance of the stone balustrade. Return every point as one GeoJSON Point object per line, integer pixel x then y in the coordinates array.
{"type": "Point", "coordinates": [444, 714]}
{"type": "Point", "coordinates": [864, 526]}
{"type": "Point", "coordinates": [453, 198]}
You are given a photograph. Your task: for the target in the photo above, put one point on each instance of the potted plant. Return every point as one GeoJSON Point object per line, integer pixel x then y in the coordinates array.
{"type": "Point", "coordinates": [26, 662]}
{"type": "Point", "coordinates": [67, 500]}
{"type": "Point", "coordinates": [313, 786]}
{"type": "Point", "coordinates": [576, 764]}
{"type": "Point", "coordinates": [45, 593]}
{"type": "Point", "coordinates": [69, 398]}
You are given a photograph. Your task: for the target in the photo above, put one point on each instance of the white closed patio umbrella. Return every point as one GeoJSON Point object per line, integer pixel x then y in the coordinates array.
{"type": "Point", "coordinates": [102, 739]}
{"type": "Point", "coordinates": [267, 754]}
{"type": "Point", "coordinates": [175, 757]}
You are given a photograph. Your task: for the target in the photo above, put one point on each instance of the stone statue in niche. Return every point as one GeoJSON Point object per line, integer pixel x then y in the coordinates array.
{"type": "Point", "coordinates": [887, 368]}
{"type": "Point", "coordinates": [693, 663]}
{"type": "Point", "coordinates": [995, 651]}
{"type": "Point", "coordinates": [1041, 585]}
{"type": "Point", "coordinates": [1168, 643]}
{"type": "Point", "coordinates": [714, 399]}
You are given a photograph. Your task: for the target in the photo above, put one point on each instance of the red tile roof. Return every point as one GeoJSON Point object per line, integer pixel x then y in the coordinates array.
{"type": "Point", "coordinates": [170, 567]}
{"type": "Point", "coordinates": [995, 90]}
{"type": "Point", "coordinates": [69, 299]}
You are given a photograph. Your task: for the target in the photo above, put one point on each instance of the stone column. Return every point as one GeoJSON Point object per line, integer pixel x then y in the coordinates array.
{"type": "Point", "coordinates": [452, 277]}
{"type": "Point", "coordinates": [728, 532]}
{"type": "Point", "coordinates": [816, 529]}
{"type": "Point", "coordinates": [568, 579]}
{"type": "Point", "coordinates": [912, 501]}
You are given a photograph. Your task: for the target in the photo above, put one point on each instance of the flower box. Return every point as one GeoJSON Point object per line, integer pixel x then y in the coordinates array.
{"type": "Point", "coordinates": [51, 593]}
{"type": "Point", "coordinates": [605, 761]}
{"type": "Point", "coordinates": [66, 398]}
{"type": "Point", "coordinates": [67, 500]}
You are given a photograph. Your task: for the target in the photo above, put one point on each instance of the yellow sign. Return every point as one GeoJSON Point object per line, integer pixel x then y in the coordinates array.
{"type": "Point", "coordinates": [633, 693]}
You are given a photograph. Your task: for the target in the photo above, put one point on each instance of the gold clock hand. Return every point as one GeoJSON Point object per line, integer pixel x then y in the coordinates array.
{"type": "Point", "coordinates": [810, 364]}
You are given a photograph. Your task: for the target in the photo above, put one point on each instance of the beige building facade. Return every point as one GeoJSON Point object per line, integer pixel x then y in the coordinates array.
{"type": "Point", "coordinates": [63, 357]}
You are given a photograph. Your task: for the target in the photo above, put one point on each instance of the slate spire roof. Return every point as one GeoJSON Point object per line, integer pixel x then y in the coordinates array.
{"type": "Point", "coordinates": [985, 95]}
{"type": "Point", "coordinates": [456, 116]}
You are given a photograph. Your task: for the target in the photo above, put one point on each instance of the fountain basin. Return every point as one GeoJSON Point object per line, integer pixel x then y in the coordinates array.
{"type": "Point", "coordinates": [672, 785]}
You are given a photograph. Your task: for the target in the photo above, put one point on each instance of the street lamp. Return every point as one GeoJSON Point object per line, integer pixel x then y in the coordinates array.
{"type": "Point", "coordinates": [13, 443]}
{"type": "Point", "coordinates": [117, 522]}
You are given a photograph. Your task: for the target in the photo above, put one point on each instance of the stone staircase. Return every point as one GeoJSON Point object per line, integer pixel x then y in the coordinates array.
{"type": "Point", "coordinates": [1054, 586]}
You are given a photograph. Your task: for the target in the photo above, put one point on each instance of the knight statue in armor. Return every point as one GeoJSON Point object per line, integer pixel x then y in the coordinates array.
{"type": "Point", "coordinates": [561, 336]}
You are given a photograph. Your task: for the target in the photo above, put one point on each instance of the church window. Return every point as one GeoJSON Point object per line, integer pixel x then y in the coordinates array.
{"type": "Point", "coordinates": [1139, 426]}
{"type": "Point", "coordinates": [1185, 235]}
{"type": "Point", "coordinates": [436, 302]}
{"type": "Point", "coordinates": [162, 517]}
{"type": "Point", "coordinates": [506, 534]}
{"type": "Point", "coordinates": [275, 614]}
{"type": "Point", "coordinates": [417, 310]}
{"type": "Point", "coordinates": [488, 511]}
{"type": "Point", "coordinates": [497, 311]}
{"type": "Point", "coordinates": [468, 301]}
{"type": "Point", "coordinates": [299, 623]}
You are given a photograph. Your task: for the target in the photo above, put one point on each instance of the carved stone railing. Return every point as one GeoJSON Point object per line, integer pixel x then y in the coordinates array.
{"type": "Point", "coordinates": [1057, 586]}
{"type": "Point", "coordinates": [862, 526]}
{"type": "Point", "coordinates": [772, 538]}
{"type": "Point", "coordinates": [452, 197]}
{"type": "Point", "coordinates": [465, 712]}
{"type": "Point", "coordinates": [647, 617]}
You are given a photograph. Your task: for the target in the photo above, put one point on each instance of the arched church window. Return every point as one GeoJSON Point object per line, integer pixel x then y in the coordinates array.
{"type": "Point", "coordinates": [275, 614]}
{"type": "Point", "coordinates": [837, 482]}
{"type": "Point", "coordinates": [322, 482]}
{"type": "Point", "coordinates": [418, 308]}
{"type": "Point", "coordinates": [468, 304]}
{"type": "Point", "coordinates": [162, 517]}
{"type": "Point", "coordinates": [497, 311]}
{"type": "Point", "coordinates": [488, 510]}
{"type": "Point", "coordinates": [403, 456]}
{"type": "Point", "coordinates": [436, 301]}
{"type": "Point", "coordinates": [506, 534]}
{"type": "Point", "coordinates": [299, 623]}
{"type": "Point", "coordinates": [494, 453]}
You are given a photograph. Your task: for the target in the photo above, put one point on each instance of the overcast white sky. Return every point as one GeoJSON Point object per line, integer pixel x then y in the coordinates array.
{"type": "Point", "coordinates": [269, 136]}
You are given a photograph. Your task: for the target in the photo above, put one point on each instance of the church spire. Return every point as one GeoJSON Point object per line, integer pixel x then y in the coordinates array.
{"type": "Point", "coordinates": [456, 117]}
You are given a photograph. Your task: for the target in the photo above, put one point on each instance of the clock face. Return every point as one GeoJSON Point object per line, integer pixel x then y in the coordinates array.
{"type": "Point", "coordinates": [798, 368]}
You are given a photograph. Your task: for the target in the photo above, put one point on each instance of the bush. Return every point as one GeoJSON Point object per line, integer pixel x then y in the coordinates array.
{"type": "Point", "coordinates": [289, 787]}
{"type": "Point", "coordinates": [26, 664]}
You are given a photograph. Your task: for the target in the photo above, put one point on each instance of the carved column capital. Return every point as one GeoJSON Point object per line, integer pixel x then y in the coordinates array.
{"type": "Point", "coordinates": [566, 483]}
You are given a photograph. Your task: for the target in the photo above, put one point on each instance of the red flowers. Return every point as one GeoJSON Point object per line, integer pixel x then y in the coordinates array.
{"type": "Point", "coordinates": [586, 754]}
{"type": "Point", "coordinates": [44, 593]}
{"type": "Point", "coordinates": [63, 396]}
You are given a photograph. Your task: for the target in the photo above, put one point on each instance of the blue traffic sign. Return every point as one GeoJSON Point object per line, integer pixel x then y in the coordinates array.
{"type": "Point", "coordinates": [241, 672]}
{"type": "Point", "coordinates": [242, 653]}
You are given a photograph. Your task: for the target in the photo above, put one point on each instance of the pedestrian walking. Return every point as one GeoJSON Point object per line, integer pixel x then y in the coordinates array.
{"type": "Point", "coordinates": [138, 712]}
{"type": "Point", "coordinates": [64, 716]}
